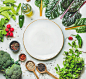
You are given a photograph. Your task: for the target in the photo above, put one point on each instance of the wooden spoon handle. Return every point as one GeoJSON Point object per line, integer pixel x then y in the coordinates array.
{"type": "Point", "coordinates": [52, 75]}
{"type": "Point", "coordinates": [36, 74]}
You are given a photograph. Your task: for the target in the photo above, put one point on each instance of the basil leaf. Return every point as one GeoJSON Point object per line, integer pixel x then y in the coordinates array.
{"type": "Point", "coordinates": [70, 18]}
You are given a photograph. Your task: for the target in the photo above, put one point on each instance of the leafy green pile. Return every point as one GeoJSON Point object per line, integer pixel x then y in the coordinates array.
{"type": "Point", "coordinates": [7, 11]}
{"type": "Point", "coordinates": [73, 64]}
{"type": "Point", "coordinates": [2, 28]}
{"type": "Point", "coordinates": [11, 69]}
{"type": "Point", "coordinates": [54, 8]}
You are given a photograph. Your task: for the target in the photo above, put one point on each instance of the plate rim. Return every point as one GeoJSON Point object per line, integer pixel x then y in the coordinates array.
{"type": "Point", "coordinates": [46, 58]}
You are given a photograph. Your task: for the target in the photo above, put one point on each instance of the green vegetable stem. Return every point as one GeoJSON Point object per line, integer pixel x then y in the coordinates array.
{"type": "Point", "coordinates": [79, 40]}
{"type": "Point", "coordinates": [21, 20]}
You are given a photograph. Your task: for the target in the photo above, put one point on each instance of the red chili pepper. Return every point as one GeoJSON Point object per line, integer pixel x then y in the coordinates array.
{"type": "Point", "coordinates": [70, 38]}
{"type": "Point", "coordinates": [22, 57]}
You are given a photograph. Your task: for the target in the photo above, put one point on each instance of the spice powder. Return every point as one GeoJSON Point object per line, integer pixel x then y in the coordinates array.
{"type": "Point", "coordinates": [30, 65]}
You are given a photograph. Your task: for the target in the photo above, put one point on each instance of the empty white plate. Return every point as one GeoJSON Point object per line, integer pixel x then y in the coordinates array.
{"type": "Point", "coordinates": [43, 39]}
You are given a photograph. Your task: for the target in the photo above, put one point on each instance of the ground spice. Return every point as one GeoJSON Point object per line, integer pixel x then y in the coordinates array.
{"type": "Point", "coordinates": [41, 67]}
{"type": "Point", "coordinates": [15, 46]}
{"type": "Point", "coordinates": [30, 65]}
{"type": "Point", "coordinates": [22, 57]}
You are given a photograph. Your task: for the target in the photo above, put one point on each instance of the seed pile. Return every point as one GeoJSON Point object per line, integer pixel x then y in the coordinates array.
{"type": "Point", "coordinates": [30, 65]}
{"type": "Point", "coordinates": [41, 67]}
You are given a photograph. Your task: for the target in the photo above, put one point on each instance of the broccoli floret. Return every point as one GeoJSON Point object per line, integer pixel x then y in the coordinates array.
{"type": "Point", "coordinates": [5, 60]}
{"type": "Point", "coordinates": [13, 72]}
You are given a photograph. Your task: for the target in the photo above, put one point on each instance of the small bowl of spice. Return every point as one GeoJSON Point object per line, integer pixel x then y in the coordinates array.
{"type": "Point", "coordinates": [22, 57]}
{"type": "Point", "coordinates": [14, 46]}
{"type": "Point", "coordinates": [30, 65]}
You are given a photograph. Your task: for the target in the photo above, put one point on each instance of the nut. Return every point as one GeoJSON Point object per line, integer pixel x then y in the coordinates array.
{"type": "Point", "coordinates": [27, 0]}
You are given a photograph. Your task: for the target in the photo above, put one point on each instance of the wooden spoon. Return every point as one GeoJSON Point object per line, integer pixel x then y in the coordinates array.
{"type": "Point", "coordinates": [31, 69]}
{"type": "Point", "coordinates": [44, 70]}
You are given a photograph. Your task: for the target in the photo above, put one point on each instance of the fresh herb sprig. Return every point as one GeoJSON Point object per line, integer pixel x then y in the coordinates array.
{"type": "Point", "coordinates": [73, 63]}
{"type": "Point", "coordinates": [2, 29]}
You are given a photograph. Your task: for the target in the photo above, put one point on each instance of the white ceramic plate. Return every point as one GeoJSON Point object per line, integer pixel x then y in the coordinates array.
{"type": "Point", "coordinates": [43, 39]}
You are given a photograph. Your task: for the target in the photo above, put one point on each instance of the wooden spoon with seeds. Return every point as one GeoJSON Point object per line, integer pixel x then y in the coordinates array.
{"type": "Point", "coordinates": [30, 65]}
{"type": "Point", "coordinates": [41, 68]}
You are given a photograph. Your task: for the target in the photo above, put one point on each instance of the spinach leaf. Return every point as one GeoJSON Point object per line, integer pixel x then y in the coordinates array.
{"type": "Point", "coordinates": [53, 9]}
{"type": "Point", "coordinates": [70, 18]}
